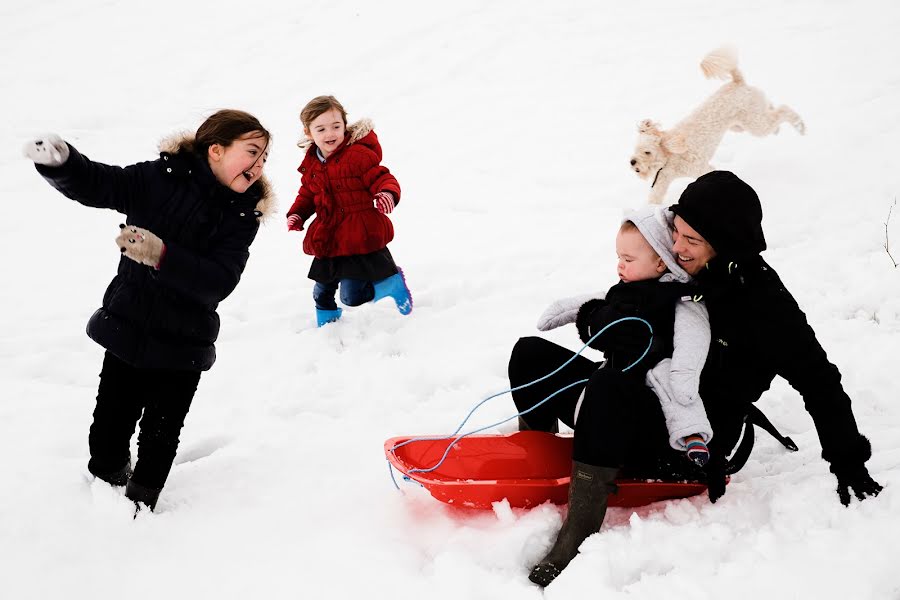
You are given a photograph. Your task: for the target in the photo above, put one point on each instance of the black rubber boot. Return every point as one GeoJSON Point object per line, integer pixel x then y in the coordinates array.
{"type": "Point", "coordinates": [141, 495]}
{"type": "Point", "coordinates": [588, 494]}
{"type": "Point", "coordinates": [523, 426]}
{"type": "Point", "coordinates": [115, 478]}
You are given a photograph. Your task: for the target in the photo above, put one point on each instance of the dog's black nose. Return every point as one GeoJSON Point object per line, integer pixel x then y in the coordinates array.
{"type": "Point", "coordinates": [632, 162]}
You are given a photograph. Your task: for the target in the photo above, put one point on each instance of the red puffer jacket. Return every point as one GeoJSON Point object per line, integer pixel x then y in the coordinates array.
{"type": "Point", "coordinates": [340, 192]}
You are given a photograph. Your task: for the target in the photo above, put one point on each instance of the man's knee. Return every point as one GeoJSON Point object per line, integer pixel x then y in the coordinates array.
{"type": "Point", "coordinates": [527, 347]}
{"type": "Point", "coordinates": [523, 353]}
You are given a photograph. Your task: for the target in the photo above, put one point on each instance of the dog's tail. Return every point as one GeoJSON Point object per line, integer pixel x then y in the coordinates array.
{"type": "Point", "coordinates": [722, 63]}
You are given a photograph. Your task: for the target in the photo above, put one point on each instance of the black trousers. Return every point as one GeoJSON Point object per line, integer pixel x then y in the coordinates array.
{"type": "Point", "coordinates": [163, 396]}
{"type": "Point", "coordinates": [620, 423]}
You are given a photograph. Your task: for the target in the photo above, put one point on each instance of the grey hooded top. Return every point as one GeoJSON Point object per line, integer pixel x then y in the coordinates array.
{"type": "Point", "coordinates": [676, 380]}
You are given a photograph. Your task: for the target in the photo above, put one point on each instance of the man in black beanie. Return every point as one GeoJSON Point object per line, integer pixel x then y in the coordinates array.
{"type": "Point", "coordinates": [758, 332]}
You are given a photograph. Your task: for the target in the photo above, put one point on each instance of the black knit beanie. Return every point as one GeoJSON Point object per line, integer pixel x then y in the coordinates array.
{"type": "Point", "coordinates": [726, 212]}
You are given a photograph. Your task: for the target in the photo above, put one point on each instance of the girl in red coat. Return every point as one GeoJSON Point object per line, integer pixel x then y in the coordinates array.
{"type": "Point", "coordinates": [343, 182]}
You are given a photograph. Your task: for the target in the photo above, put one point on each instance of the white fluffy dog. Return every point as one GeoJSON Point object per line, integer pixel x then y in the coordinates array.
{"type": "Point", "coordinates": [686, 149]}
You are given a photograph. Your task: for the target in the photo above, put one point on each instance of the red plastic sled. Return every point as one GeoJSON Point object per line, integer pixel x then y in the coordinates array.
{"type": "Point", "coordinates": [527, 468]}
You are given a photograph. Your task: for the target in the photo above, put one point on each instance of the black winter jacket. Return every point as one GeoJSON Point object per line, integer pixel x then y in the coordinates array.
{"type": "Point", "coordinates": [758, 332]}
{"type": "Point", "coordinates": [625, 342]}
{"type": "Point", "coordinates": [167, 318]}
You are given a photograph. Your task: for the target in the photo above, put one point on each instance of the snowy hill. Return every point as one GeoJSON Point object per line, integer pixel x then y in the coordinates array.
{"type": "Point", "coordinates": [509, 126]}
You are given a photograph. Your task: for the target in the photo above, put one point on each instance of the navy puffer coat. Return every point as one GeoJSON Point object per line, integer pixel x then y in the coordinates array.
{"type": "Point", "coordinates": [167, 318]}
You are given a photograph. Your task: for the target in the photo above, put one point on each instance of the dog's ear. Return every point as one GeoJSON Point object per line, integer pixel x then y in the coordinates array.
{"type": "Point", "coordinates": [674, 143]}
{"type": "Point", "coordinates": [649, 127]}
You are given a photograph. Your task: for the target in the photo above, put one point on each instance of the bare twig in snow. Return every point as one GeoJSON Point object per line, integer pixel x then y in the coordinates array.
{"type": "Point", "coordinates": [886, 237]}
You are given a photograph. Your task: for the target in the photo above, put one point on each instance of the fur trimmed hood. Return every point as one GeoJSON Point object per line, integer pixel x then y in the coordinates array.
{"type": "Point", "coordinates": [182, 142]}
{"type": "Point", "coordinates": [356, 131]}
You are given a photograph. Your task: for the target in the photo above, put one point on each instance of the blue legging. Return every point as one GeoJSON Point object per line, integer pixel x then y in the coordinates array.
{"type": "Point", "coordinates": [353, 293]}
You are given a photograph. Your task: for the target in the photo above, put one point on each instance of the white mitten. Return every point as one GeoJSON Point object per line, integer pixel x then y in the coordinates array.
{"type": "Point", "coordinates": [564, 311]}
{"type": "Point", "coordinates": [48, 149]}
{"type": "Point", "coordinates": [140, 245]}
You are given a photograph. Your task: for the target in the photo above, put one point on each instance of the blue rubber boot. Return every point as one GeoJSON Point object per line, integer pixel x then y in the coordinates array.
{"type": "Point", "coordinates": [324, 317]}
{"type": "Point", "coordinates": [395, 287]}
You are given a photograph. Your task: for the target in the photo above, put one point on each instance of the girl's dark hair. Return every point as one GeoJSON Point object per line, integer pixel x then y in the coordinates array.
{"type": "Point", "coordinates": [224, 127]}
{"type": "Point", "coordinates": [318, 106]}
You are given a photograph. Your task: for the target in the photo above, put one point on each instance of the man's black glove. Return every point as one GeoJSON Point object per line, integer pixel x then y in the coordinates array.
{"type": "Point", "coordinates": [715, 477]}
{"type": "Point", "coordinates": [848, 463]}
{"type": "Point", "coordinates": [855, 478]}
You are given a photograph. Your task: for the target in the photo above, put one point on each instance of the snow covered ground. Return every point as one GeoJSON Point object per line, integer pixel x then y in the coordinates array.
{"type": "Point", "coordinates": [509, 125]}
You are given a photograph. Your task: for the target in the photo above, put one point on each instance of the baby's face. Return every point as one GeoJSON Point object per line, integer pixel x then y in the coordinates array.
{"type": "Point", "coordinates": [637, 260]}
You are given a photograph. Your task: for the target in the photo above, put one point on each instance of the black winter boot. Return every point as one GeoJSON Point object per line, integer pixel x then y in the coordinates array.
{"type": "Point", "coordinates": [588, 494]}
{"type": "Point", "coordinates": [141, 495]}
{"type": "Point", "coordinates": [115, 478]}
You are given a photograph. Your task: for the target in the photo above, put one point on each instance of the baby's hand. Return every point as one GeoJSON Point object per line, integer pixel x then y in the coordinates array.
{"type": "Point", "coordinates": [563, 311]}
{"type": "Point", "coordinates": [697, 450]}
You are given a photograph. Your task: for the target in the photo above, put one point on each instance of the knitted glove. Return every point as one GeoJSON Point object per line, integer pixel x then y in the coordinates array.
{"type": "Point", "coordinates": [384, 202]}
{"type": "Point", "coordinates": [140, 245]}
{"type": "Point", "coordinates": [294, 223]}
{"type": "Point", "coordinates": [697, 450]}
{"type": "Point", "coordinates": [48, 149]}
{"type": "Point", "coordinates": [563, 311]}
{"type": "Point", "coordinates": [857, 479]}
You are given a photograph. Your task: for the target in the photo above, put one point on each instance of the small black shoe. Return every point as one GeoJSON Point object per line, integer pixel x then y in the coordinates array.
{"type": "Point", "coordinates": [116, 478]}
{"type": "Point", "coordinates": [543, 574]}
{"type": "Point", "coordinates": [141, 495]}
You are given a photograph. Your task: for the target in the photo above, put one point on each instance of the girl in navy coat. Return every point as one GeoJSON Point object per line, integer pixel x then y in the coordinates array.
{"type": "Point", "coordinates": [191, 216]}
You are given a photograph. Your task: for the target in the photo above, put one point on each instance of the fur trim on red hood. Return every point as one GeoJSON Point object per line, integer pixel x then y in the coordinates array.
{"type": "Point", "coordinates": [357, 131]}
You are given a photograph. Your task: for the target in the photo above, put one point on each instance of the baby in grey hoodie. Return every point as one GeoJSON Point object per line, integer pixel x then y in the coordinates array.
{"type": "Point", "coordinates": [679, 349]}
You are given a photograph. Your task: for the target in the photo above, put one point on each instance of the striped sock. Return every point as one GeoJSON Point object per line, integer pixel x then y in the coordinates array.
{"type": "Point", "coordinates": [696, 449]}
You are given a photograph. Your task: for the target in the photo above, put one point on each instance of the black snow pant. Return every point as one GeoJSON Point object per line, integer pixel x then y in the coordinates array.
{"type": "Point", "coordinates": [620, 421]}
{"type": "Point", "coordinates": [162, 395]}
